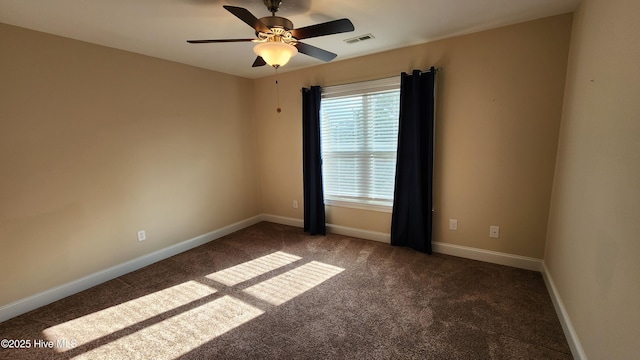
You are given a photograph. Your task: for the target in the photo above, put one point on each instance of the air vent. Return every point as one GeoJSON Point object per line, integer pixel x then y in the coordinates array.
{"type": "Point", "coordinates": [360, 38]}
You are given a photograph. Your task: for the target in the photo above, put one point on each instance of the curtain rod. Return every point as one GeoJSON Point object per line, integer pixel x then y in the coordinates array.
{"type": "Point", "coordinates": [388, 78]}
{"type": "Point", "coordinates": [433, 68]}
{"type": "Point", "coordinates": [436, 69]}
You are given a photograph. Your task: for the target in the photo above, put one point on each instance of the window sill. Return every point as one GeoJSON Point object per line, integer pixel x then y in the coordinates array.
{"type": "Point", "coordinates": [359, 205]}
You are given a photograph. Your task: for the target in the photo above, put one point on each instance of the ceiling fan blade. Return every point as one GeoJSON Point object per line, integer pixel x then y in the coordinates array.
{"type": "Point", "coordinates": [217, 41]}
{"type": "Point", "coordinates": [259, 62]}
{"type": "Point", "coordinates": [315, 52]}
{"type": "Point", "coordinates": [246, 16]}
{"type": "Point", "coordinates": [327, 28]}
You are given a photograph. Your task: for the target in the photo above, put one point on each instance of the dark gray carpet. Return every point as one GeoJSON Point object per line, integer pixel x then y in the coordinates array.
{"type": "Point", "coordinates": [272, 292]}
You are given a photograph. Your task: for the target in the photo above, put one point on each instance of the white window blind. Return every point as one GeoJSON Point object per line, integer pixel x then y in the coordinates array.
{"type": "Point", "coordinates": [359, 137]}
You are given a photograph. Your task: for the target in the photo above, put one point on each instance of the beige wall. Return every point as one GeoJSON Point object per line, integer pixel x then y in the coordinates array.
{"type": "Point", "coordinates": [97, 143]}
{"type": "Point", "coordinates": [593, 244]}
{"type": "Point", "coordinates": [498, 113]}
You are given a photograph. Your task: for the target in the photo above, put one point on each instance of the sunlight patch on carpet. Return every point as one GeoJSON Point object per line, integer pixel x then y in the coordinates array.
{"type": "Point", "coordinates": [253, 268]}
{"type": "Point", "coordinates": [282, 288]}
{"type": "Point", "coordinates": [180, 334]}
{"type": "Point", "coordinates": [104, 322]}
{"type": "Point", "coordinates": [163, 337]}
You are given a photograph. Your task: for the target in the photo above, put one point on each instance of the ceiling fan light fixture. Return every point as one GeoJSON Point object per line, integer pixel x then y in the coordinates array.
{"type": "Point", "coordinates": [275, 53]}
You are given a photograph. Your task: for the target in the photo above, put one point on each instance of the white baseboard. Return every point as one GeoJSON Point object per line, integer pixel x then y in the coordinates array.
{"type": "Point", "coordinates": [494, 257]}
{"type": "Point", "coordinates": [46, 297]}
{"type": "Point", "coordinates": [567, 326]}
{"type": "Point", "coordinates": [336, 229]}
{"type": "Point", "coordinates": [283, 220]}
{"type": "Point", "coordinates": [359, 233]}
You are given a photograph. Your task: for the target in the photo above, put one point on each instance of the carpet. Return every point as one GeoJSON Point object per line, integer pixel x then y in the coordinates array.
{"type": "Point", "coordinates": [272, 292]}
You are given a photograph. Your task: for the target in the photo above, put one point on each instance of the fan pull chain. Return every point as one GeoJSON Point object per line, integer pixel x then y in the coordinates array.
{"type": "Point", "coordinates": [278, 109]}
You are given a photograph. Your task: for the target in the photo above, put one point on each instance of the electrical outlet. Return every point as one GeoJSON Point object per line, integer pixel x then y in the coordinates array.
{"type": "Point", "coordinates": [142, 235]}
{"type": "Point", "coordinates": [295, 204]}
{"type": "Point", "coordinates": [453, 224]}
{"type": "Point", "coordinates": [494, 231]}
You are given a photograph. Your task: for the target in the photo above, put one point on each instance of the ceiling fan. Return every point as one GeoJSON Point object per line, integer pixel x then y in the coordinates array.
{"type": "Point", "coordinates": [276, 38]}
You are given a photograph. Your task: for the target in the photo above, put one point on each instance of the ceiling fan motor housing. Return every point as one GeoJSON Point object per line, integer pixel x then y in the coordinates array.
{"type": "Point", "coordinates": [272, 5]}
{"type": "Point", "coordinates": [277, 22]}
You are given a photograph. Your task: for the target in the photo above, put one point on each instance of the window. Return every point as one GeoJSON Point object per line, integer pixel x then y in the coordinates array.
{"type": "Point", "coordinates": [359, 139]}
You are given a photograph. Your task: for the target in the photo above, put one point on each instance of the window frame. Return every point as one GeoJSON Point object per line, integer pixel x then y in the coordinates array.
{"type": "Point", "coordinates": [355, 89]}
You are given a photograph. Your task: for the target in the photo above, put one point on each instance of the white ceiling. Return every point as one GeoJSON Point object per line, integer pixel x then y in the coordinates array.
{"type": "Point", "coordinates": [160, 28]}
